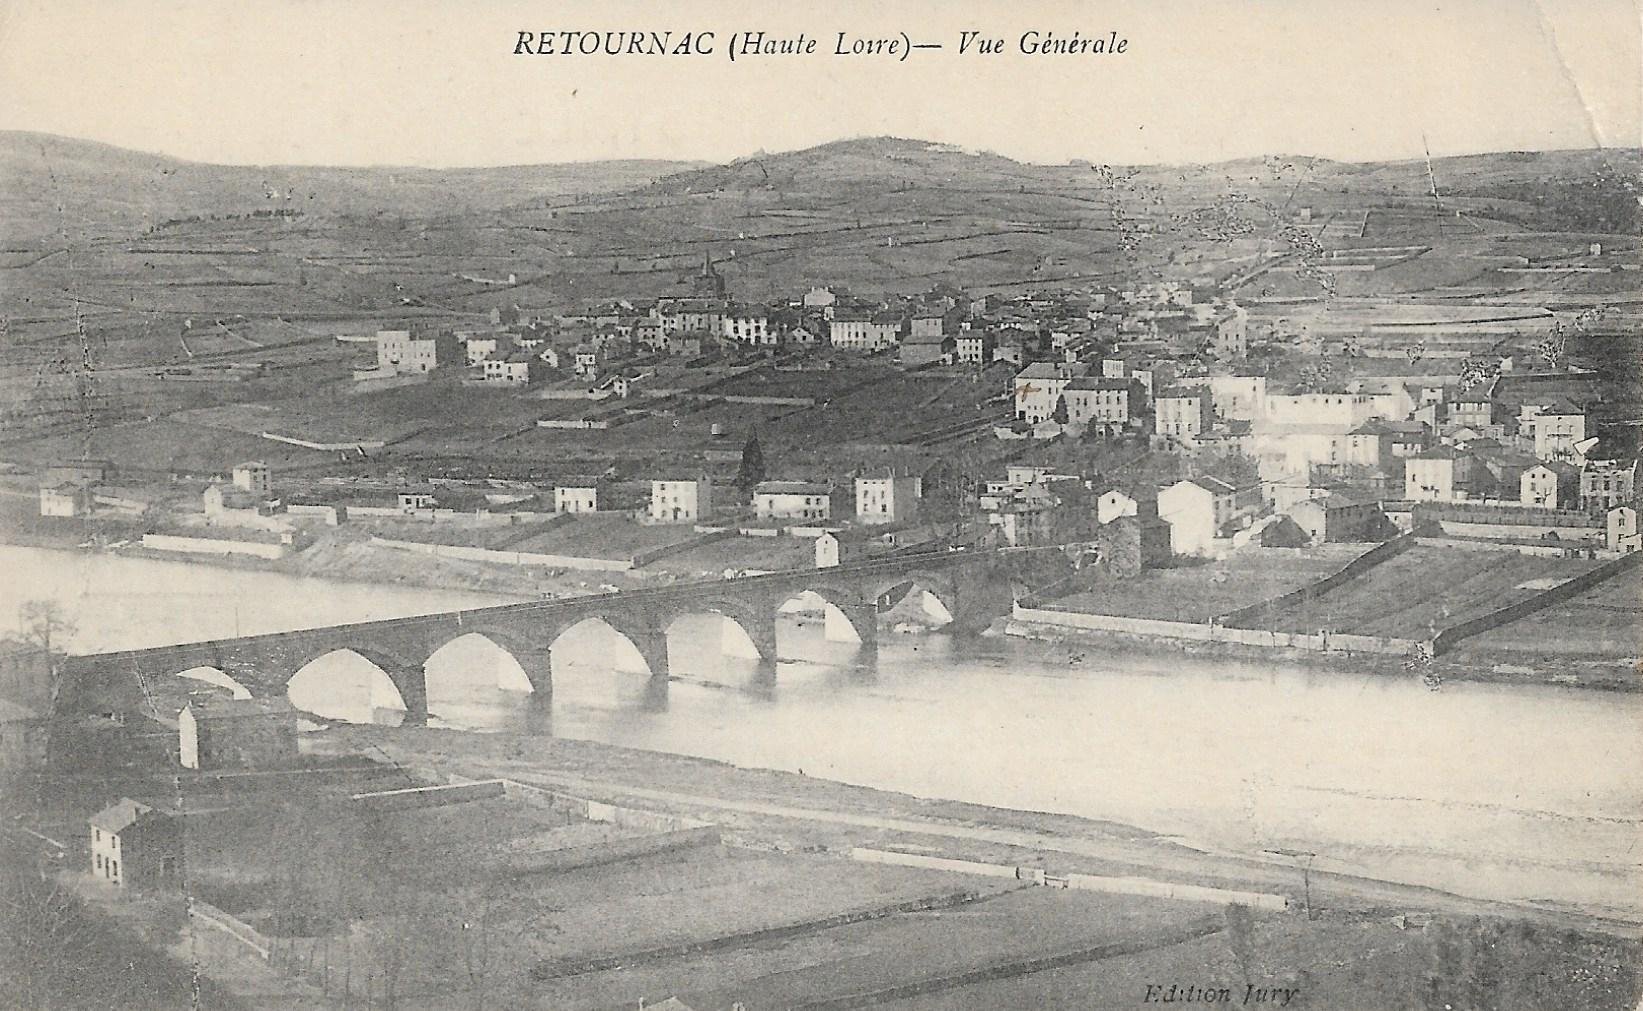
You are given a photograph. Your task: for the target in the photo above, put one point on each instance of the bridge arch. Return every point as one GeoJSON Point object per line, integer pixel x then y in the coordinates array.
{"type": "Point", "coordinates": [217, 677]}
{"type": "Point", "coordinates": [501, 657]}
{"type": "Point", "coordinates": [646, 647]}
{"type": "Point", "coordinates": [937, 597]}
{"type": "Point", "coordinates": [748, 631]}
{"type": "Point", "coordinates": [352, 684]}
{"type": "Point", "coordinates": [846, 615]}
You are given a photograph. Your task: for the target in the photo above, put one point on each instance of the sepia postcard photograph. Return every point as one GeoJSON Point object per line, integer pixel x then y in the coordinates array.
{"type": "Point", "coordinates": [723, 505]}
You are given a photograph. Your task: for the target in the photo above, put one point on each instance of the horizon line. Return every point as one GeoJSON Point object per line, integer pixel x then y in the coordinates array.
{"type": "Point", "coordinates": [761, 152]}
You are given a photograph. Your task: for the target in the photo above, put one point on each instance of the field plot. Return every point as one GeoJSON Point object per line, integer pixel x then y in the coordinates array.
{"type": "Point", "coordinates": [756, 553]}
{"type": "Point", "coordinates": [1338, 963]}
{"type": "Point", "coordinates": [602, 537]}
{"type": "Point", "coordinates": [913, 949]}
{"type": "Point", "coordinates": [1206, 591]}
{"type": "Point", "coordinates": [1604, 624]}
{"type": "Point", "coordinates": [1427, 587]}
{"type": "Point", "coordinates": [507, 901]}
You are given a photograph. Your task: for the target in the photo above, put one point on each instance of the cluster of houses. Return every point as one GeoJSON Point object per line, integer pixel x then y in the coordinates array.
{"type": "Point", "coordinates": [1164, 367]}
{"type": "Point", "coordinates": [943, 326]}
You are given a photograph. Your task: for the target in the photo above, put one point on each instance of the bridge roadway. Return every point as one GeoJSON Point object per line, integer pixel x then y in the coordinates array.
{"type": "Point", "coordinates": [974, 585]}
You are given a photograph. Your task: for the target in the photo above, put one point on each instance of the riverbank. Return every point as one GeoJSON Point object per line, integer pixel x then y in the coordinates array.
{"type": "Point", "coordinates": [1620, 674]}
{"type": "Point", "coordinates": [794, 812]}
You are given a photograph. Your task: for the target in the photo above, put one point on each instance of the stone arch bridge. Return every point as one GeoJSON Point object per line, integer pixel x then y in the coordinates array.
{"type": "Point", "coordinates": [974, 586]}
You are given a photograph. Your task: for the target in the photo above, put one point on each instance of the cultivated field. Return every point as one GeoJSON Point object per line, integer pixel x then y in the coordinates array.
{"type": "Point", "coordinates": [1427, 588]}
{"type": "Point", "coordinates": [1201, 592]}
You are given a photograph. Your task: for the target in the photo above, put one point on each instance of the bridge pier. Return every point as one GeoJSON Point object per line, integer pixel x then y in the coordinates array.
{"type": "Point", "coordinates": [652, 645]}
{"type": "Point", "coordinates": [537, 663]}
{"type": "Point", "coordinates": [759, 630]}
{"type": "Point", "coordinates": [853, 623]}
{"type": "Point", "coordinates": [656, 693]}
{"type": "Point", "coordinates": [412, 682]}
{"type": "Point", "coordinates": [539, 713]}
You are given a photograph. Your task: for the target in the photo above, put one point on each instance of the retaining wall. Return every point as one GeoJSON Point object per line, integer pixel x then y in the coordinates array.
{"type": "Point", "coordinates": [1325, 642]}
{"type": "Point", "coordinates": [509, 557]}
{"type": "Point", "coordinates": [212, 546]}
{"type": "Point", "coordinates": [613, 851]}
{"type": "Point", "coordinates": [643, 558]}
{"type": "Point", "coordinates": [431, 796]}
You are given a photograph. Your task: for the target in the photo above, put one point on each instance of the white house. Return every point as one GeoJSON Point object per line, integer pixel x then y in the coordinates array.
{"type": "Point", "coordinates": [1558, 429]}
{"type": "Point", "coordinates": [889, 499]}
{"type": "Point", "coordinates": [1038, 386]}
{"type": "Point", "coordinates": [681, 501]}
{"type": "Point", "coordinates": [827, 551]}
{"type": "Point", "coordinates": [1112, 504]}
{"type": "Point", "coordinates": [1622, 532]}
{"type": "Point", "coordinates": [576, 498]}
{"type": "Point", "coordinates": [1435, 475]}
{"type": "Point", "coordinates": [1189, 509]}
{"type": "Point", "coordinates": [255, 477]}
{"type": "Point", "coordinates": [1549, 486]}
{"type": "Point", "coordinates": [799, 500]}
{"type": "Point", "coordinates": [136, 846]}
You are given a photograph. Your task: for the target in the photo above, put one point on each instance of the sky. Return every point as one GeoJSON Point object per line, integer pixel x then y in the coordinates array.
{"type": "Point", "coordinates": [414, 82]}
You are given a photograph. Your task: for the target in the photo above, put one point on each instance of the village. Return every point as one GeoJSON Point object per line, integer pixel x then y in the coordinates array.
{"type": "Point", "coordinates": [1161, 428]}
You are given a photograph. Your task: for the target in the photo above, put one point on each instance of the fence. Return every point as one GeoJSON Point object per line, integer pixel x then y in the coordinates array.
{"type": "Point", "coordinates": [214, 917]}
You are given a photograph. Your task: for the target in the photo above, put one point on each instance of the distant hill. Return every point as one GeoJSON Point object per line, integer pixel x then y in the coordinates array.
{"type": "Point", "coordinates": [102, 189]}
{"type": "Point", "coordinates": [879, 214]}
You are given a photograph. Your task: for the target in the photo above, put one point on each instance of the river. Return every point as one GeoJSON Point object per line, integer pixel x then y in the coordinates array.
{"type": "Point", "coordinates": [1493, 791]}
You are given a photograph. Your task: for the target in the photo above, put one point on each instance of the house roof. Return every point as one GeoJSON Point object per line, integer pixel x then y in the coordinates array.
{"type": "Point", "coordinates": [1050, 370]}
{"type": "Point", "coordinates": [121, 815]}
{"type": "Point", "coordinates": [789, 488]}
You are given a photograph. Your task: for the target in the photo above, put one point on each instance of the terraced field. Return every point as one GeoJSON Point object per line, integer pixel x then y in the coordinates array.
{"type": "Point", "coordinates": [1428, 587]}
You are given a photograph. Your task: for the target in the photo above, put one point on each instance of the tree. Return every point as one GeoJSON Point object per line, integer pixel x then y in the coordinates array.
{"type": "Point", "coordinates": [1059, 414]}
{"type": "Point", "coordinates": [45, 625]}
{"type": "Point", "coordinates": [752, 470]}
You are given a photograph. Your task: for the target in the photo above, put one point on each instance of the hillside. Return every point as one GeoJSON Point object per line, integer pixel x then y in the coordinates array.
{"type": "Point", "coordinates": [145, 242]}
{"type": "Point", "coordinates": [105, 190]}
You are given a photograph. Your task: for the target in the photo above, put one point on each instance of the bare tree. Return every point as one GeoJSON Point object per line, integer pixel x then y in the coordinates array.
{"type": "Point", "coordinates": [45, 625]}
